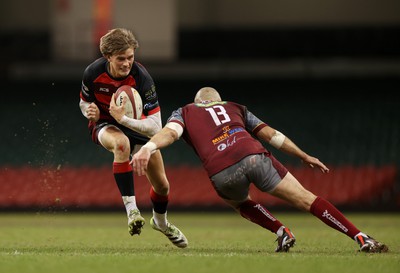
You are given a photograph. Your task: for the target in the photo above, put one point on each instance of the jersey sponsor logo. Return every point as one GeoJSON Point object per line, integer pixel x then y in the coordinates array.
{"type": "Point", "coordinates": [226, 133]}
{"type": "Point", "coordinates": [328, 216]}
{"type": "Point", "coordinates": [228, 143]}
{"type": "Point", "coordinates": [149, 105]}
{"type": "Point", "coordinates": [104, 89]}
{"type": "Point", "coordinates": [85, 90]}
{"type": "Point", "coordinates": [151, 94]}
{"type": "Point", "coordinates": [221, 147]}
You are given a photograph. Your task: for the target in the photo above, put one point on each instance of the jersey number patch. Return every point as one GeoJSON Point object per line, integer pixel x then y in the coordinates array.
{"type": "Point", "coordinates": [218, 114]}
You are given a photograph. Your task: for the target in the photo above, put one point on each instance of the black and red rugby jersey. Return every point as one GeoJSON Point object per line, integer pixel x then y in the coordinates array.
{"type": "Point", "coordinates": [98, 86]}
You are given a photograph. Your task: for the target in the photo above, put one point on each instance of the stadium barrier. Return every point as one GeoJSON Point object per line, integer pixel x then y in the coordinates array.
{"type": "Point", "coordinates": [83, 188]}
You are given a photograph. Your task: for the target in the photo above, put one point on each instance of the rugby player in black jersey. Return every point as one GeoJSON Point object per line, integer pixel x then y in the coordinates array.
{"type": "Point", "coordinates": [121, 135]}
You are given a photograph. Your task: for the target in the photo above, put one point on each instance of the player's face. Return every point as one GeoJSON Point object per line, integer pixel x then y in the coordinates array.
{"type": "Point", "coordinates": [121, 63]}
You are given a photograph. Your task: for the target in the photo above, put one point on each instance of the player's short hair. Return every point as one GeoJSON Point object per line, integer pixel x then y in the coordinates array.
{"type": "Point", "coordinates": [207, 94]}
{"type": "Point", "coordinates": [116, 41]}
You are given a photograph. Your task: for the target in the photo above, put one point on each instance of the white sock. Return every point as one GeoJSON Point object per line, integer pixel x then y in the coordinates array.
{"type": "Point", "coordinates": [130, 203]}
{"type": "Point", "coordinates": [280, 231]}
{"type": "Point", "coordinates": [160, 220]}
{"type": "Point", "coordinates": [360, 233]}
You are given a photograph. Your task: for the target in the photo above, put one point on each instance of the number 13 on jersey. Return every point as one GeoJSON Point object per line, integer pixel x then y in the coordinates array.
{"type": "Point", "coordinates": [218, 114]}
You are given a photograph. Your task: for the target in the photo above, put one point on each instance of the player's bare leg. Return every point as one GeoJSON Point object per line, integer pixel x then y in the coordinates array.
{"type": "Point", "coordinates": [156, 174]}
{"type": "Point", "coordinates": [159, 197]}
{"type": "Point", "coordinates": [116, 142]}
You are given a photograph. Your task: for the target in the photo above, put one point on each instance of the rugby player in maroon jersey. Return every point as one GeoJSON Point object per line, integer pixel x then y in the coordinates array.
{"type": "Point", "coordinates": [223, 135]}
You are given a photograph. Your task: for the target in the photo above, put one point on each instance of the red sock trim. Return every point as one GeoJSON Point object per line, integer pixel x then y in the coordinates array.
{"type": "Point", "coordinates": [123, 167]}
{"type": "Point", "coordinates": [155, 197]}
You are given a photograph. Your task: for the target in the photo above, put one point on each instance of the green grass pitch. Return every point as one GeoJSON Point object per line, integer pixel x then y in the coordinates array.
{"type": "Point", "coordinates": [218, 242]}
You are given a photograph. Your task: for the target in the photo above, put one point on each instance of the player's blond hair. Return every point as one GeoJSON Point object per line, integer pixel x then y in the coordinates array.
{"type": "Point", "coordinates": [207, 94]}
{"type": "Point", "coordinates": [116, 41]}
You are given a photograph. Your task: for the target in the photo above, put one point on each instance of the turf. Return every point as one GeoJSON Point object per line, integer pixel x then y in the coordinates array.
{"type": "Point", "coordinates": [218, 242]}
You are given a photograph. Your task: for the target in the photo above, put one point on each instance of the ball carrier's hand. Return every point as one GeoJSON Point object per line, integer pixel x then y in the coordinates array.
{"type": "Point", "coordinates": [140, 161]}
{"type": "Point", "coordinates": [93, 112]}
{"type": "Point", "coordinates": [117, 112]}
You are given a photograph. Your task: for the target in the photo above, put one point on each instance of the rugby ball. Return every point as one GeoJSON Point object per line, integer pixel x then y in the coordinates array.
{"type": "Point", "coordinates": [133, 106]}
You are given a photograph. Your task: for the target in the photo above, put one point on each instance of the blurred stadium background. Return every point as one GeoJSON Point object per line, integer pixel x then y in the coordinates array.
{"type": "Point", "coordinates": [326, 73]}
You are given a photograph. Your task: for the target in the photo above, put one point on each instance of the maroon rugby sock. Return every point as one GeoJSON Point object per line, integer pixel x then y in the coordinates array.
{"type": "Point", "coordinates": [331, 216]}
{"type": "Point", "coordinates": [258, 214]}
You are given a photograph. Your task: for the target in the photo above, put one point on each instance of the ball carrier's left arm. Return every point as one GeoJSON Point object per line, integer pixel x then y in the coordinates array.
{"type": "Point", "coordinates": [126, 108]}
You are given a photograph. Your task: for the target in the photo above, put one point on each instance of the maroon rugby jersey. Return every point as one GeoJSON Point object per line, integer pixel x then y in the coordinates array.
{"type": "Point", "coordinates": [98, 86]}
{"type": "Point", "coordinates": [221, 133]}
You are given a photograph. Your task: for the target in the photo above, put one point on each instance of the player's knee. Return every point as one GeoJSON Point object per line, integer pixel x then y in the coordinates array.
{"type": "Point", "coordinates": [121, 146]}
